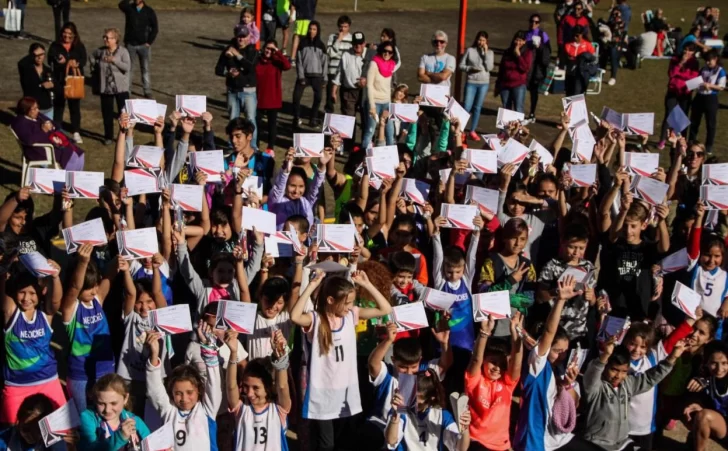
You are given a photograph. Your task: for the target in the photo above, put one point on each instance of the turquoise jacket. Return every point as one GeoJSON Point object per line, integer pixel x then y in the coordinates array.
{"type": "Point", "coordinates": [93, 433]}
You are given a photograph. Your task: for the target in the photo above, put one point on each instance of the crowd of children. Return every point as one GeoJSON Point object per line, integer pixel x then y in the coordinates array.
{"type": "Point", "coordinates": [331, 360]}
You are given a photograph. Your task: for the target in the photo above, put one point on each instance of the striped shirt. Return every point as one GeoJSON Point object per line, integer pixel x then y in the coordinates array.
{"type": "Point", "coordinates": [335, 49]}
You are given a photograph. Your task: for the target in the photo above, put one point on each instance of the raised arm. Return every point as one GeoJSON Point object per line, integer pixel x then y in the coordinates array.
{"type": "Point", "coordinates": [157, 292]}
{"type": "Point", "coordinates": [516, 359]}
{"type": "Point", "coordinates": [240, 275]}
{"type": "Point", "coordinates": [476, 361]}
{"type": "Point", "coordinates": [70, 297]}
{"type": "Point", "coordinates": [231, 387]}
{"type": "Point", "coordinates": [383, 306]}
{"type": "Point", "coordinates": [298, 317]}
{"type": "Point", "coordinates": [374, 363]}
{"type": "Point", "coordinates": [565, 292]}
{"type": "Point", "coordinates": [280, 364]}
{"type": "Point", "coordinates": [117, 168]}
{"type": "Point", "coordinates": [130, 292]}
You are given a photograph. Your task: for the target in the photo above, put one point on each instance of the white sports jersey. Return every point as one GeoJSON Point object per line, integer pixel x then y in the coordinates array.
{"type": "Point", "coordinates": [263, 431]}
{"type": "Point", "coordinates": [435, 429]}
{"type": "Point", "coordinates": [711, 285]}
{"type": "Point", "coordinates": [643, 407]}
{"type": "Point", "coordinates": [195, 430]}
{"type": "Point", "coordinates": [258, 343]}
{"type": "Point", "coordinates": [332, 390]}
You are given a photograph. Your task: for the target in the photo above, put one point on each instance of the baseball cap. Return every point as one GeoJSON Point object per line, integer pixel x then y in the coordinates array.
{"type": "Point", "coordinates": [241, 31]}
{"type": "Point", "coordinates": [358, 38]}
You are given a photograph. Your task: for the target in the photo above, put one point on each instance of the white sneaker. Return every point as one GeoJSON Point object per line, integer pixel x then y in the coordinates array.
{"type": "Point", "coordinates": [77, 138]}
{"type": "Point", "coordinates": [529, 2]}
{"type": "Point", "coordinates": [537, 2]}
{"type": "Point", "coordinates": [612, 81]}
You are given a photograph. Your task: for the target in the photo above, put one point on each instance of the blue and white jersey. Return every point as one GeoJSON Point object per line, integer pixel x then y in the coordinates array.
{"type": "Point", "coordinates": [534, 431]}
{"type": "Point", "coordinates": [386, 383]}
{"type": "Point", "coordinates": [194, 430]}
{"type": "Point", "coordinates": [643, 407]}
{"type": "Point", "coordinates": [260, 431]}
{"type": "Point", "coordinates": [432, 430]}
{"type": "Point", "coordinates": [715, 76]}
{"type": "Point", "coordinates": [711, 285]}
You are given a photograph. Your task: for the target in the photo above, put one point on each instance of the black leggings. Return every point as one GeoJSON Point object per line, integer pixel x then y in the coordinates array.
{"type": "Point", "coordinates": [329, 435]}
{"type": "Point", "coordinates": [315, 83]}
{"type": "Point", "coordinates": [272, 121]}
{"type": "Point", "coordinates": [74, 106]}
{"type": "Point", "coordinates": [704, 105]}
{"type": "Point", "coordinates": [533, 90]}
{"type": "Point", "coordinates": [107, 111]}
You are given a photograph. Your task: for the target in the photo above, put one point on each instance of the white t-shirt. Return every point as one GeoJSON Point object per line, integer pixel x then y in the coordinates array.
{"type": "Point", "coordinates": [438, 63]}
{"type": "Point", "coordinates": [258, 343]}
{"type": "Point", "coordinates": [434, 429]}
{"type": "Point", "coordinates": [193, 357]}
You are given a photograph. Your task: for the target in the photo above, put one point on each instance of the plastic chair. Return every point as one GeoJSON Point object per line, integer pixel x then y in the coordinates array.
{"type": "Point", "coordinates": [48, 162]}
{"type": "Point", "coordinates": [595, 44]}
{"type": "Point", "coordinates": [597, 82]}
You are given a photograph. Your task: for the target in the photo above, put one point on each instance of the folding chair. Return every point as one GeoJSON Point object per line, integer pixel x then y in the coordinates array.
{"type": "Point", "coordinates": [597, 82]}
{"type": "Point", "coordinates": [48, 162]}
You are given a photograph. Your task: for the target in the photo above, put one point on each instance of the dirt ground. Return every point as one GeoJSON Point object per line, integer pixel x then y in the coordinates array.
{"type": "Point", "coordinates": [184, 56]}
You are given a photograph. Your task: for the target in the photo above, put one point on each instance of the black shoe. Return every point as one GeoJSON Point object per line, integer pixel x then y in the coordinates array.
{"type": "Point", "coordinates": [314, 123]}
{"type": "Point", "coordinates": [148, 96]}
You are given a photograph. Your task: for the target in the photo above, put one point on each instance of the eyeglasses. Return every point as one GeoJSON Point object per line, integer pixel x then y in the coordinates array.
{"type": "Point", "coordinates": [38, 55]}
{"type": "Point", "coordinates": [695, 154]}
{"type": "Point", "coordinates": [438, 42]}
{"type": "Point", "coordinates": [387, 52]}
{"type": "Point", "coordinates": [106, 38]}
{"type": "Point", "coordinates": [536, 21]}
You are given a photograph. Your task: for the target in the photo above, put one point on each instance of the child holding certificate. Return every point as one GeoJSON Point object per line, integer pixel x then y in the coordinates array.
{"type": "Point", "coordinates": [261, 416]}
{"type": "Point", "coordinates": [26, 434]}
{"type": "Point", "coordinates": [29, 365]}
{"type": "Point", "coordinates": [333, 384]}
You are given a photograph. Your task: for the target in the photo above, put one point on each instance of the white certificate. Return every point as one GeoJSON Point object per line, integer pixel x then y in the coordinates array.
{"type": "Point", "coordinates": [580, 275]}
{"type": "Point", "coordinates": [492, 142]}
{"type": "Point", "coordinates": [575, 108]}
{"type": "Point", "coordinates": [37, 264]}
{"type": "Point", "coordinates": [145, 157]}
{"type": "Point", "coordinates": [211, 162]}
{"type": "Point", "coordinates": [639, 123]}
{"type": "Point", "coordinates": [438, 300]}
{"type": "Point", "coordinates": [142, 111]}
{"type": "Point", "coordinates": [434, 95]}
{"type": "Point", "coordinates": [459, 216]}
{"type": "Point", "coordinates": [381, 166]}
{"type": "Point", "coordinates": [137, 243]}
{"type": "Point", "coordinates": [545, 157]}
{"type": "Point", "coordinates": [192, 106]}
{"type": "Point", "coordinates": [189, 197]}
{"type": "Point", "coordinates": [84, 184]}
{"type": "Point", "coordinates": [276, 247]}
{"type": "Point", "coordinates": [582, 150]}
{"type": "Point", "coordinates": [91, 232]}
{"type": "Point", "coordinates": [687, 300]}
{"type": "Point", "coordinates": [495, 303]}
{"type": "Point", "coordinates": [614, 118]}
{"type": "Point", "coordinates": [650, 190]}
{"type": "Point", "coordinates": [454, 109]}
{"type": "Point", "coordinates": [405, 112]}
{"type": "Point", "coordinates": [161, 110]}
{"type": "Point", "coordinates": [694, 83]}
{"type": "Point", "coordinates": [390, 152]}
{"type": "Point", "coordinates": [485, 161]}
{"type": "Point", "coordinates": [486, 199]}
{"type": "Point", "coordinates": [613, 327]}
{"type": "Point", "coordinates": [292, 235]}
{"type": "Point", "coordinates": [338, 124]}
{"type": "Point", "coordinates": [59, 424]}
{"type": "Point", "coordinates": [583, 174]}
{"type": "Point", "coordinates": [714, 197]}
{"type": "Point", "coordinates": [253, 184]}
{"type": "Point", "coordinates": [513, 152]}
{"type": "Point", "coordinates": [675, 262]}
{"type": "Point", "coordinates": [171, 320]}
{"type": "Point", "coordinates": [263, 221]}
{"type": "Point", "coordinates": [416, 191]}
{"type": "Point", "coordinates": [644, 164]}
{"type": "Point", "coordinates": [160, 440]}
{"type": "Point", "coordinates": [237, 316]}
{"type": "Point", "coordinates": [715, 174]}
{"type": "Point", "coordinates": [335, 238]}
{"type": "Point", "coordinates": [144, 181]}
{"type": "Point", "coordinates": [505, 117]}
{"type": "Point", "coordinates": [308, 144]}
{"type": "Point", "coordinates": [45, 181]}
{"type": "Point", "coordinates": [410, 316]}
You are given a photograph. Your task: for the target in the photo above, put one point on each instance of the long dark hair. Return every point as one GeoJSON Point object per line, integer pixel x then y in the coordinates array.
{"type": "Point", "coordinates": [76, 37]}
{"type": "Point", "coordinates": [520, 34]}
{"type": "Point", "coordinates": [306, 41]}
{"type": "Point", "coordinates": [390, 32]}
{"type": "Point", "coordinates": [481, 34]}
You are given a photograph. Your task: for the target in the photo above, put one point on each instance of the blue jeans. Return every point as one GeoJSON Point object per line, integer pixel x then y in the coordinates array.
{"type": "Point", "coordinates": [372, 125]}
{"type": "Point", "coordinates": [144, 54]}
{"type": "Point", "coordinates": [513, 98]}
{"type": "Point", "coordinates": [474, 96]}
{"type": "Point", "coordinates": [247, 101]}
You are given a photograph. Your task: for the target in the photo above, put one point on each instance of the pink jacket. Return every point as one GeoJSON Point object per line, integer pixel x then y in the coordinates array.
{"type": "Point", "coordinates": [679, 75]}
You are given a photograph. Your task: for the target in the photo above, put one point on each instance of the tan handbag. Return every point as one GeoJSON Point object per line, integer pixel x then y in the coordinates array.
{"type": "Point", "coordinates": [74, 88]}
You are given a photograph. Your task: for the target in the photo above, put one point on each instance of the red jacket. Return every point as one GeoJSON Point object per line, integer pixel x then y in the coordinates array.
{"type": "Point", "coordinates": [573, 50]}
{"type": "Point", "coordinates": [268, 73]}
{"type": "Point", "coordinates": [680, 74]}
{"type": "Point", "coordinates": [566, 28]}
{"type": "Point", "coordinates": [513, 71]}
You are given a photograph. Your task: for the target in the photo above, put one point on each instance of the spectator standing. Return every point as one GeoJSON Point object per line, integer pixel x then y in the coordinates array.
{"type": "Point", "coordinates": [36, 79]}
{"type": "Point", "coordinates": [436, 68]}
{"type": "Point", "coordinates": [237, 64]}
{"type": "Point", "coordinates": [613, 44]}
{"type": "Point", "coordinates": [338, 44]}
{"type": "Point", "coordinates": [513, 73]}
{"type": "Point", "coordinates": [269, 71]}
{"type": "Point", "coordinates": [626, 11]}
{"type": "Point", "coordinates": [538, 41]}
{"type": "Point", "coordinates": [379, 91]}
{"type": "Point", "coordinates": [707, 24]}
{"type": "Point", "coordinates": [580, 55]}
{"type": "Point", "coordinates": [683, 67]}
{"type": "Point", "coordinates": [477, 62]}
{"type": "Point", "coordinates": [68, 51]}
{"type": "Point", "coordinates": [705, 102]}
{"type": "Point", "coordinates": [112, 64]}
{"type": "Point", "coordinates": [312, 61]}
{"type": "Point", "coordinates": [569, 24]}
{"type": "Point", "coordinates": [61, 14]}
{"type": "Point", "coordinates": [350, 81]}
{"type": "Point", "coordinates": [140, 31]}
{"type": "Point", "coordinates": [284, 17]}
{"type": "Point", "coordinates": [304, 12]}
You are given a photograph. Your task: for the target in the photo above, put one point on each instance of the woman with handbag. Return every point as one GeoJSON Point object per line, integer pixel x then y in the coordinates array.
{"type": "Point", "coordinates": [111, 64]}
{"type": "Point", "coordinates": [67, 57]}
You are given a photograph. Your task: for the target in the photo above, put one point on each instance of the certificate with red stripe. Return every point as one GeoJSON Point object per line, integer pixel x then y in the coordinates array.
{"type": "Point", "coordinates": [171, 320]}
{"type": "Point", "coordinates": [84, 184]}
{"type": "Point", "coordinates": [237, 316]}
{"type": "Point", "coordinates": [137, 243]}
{"type": "Point", "coordinates": [89, 232]}
{"type": "Point", "coordinates": [410, 316]}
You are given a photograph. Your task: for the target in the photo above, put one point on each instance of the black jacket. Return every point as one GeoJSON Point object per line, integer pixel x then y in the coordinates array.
{"type": "Point", "coordinates": [56, 49]}
{"type": "Point", "coordinates": [245, 65]}
{"type": "Point", "coordinates": [30, 82]}
{"type": "Point", "coordinates": [141, 26]}
{"type": "Point", "coordinates": [541, 58]}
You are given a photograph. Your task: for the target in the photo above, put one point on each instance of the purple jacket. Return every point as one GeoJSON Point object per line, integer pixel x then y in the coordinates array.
{"type": "Point", "coordinates": [284, 208]}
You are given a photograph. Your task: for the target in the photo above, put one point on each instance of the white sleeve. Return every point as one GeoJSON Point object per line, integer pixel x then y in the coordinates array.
{"type": "Point", "coordinates": [536, 363]}
{"type": "Point", "coordinates": [400, 430]}
{"type": "Point", "coordinates": [451, 433]}
{"type": "Point", "coordinates": [434, 365]}
{"type": "Point", "coordinates": [155, 390]}
{"type": "Point", "coordinates": [381, 377]}
{"type": "Point", "coordinates": [213, 391]}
